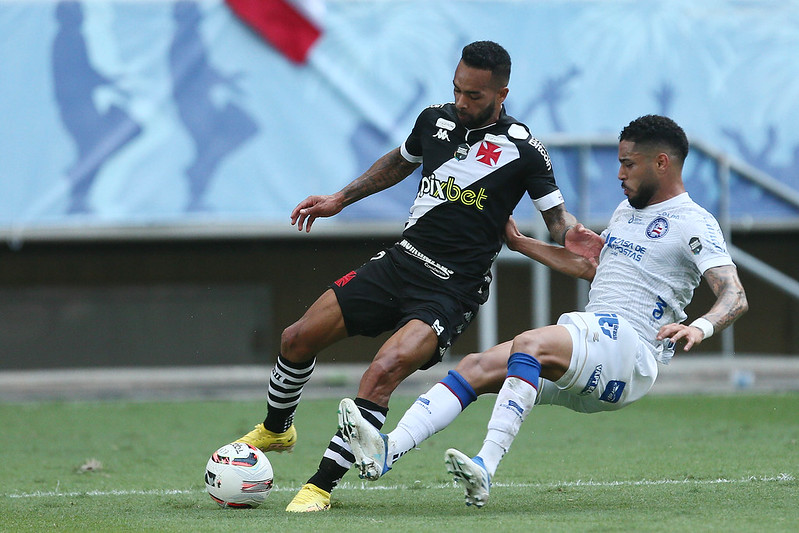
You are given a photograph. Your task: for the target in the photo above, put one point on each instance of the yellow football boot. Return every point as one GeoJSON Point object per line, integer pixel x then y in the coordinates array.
{"type": "Point", "coordinates": [269, 441]}
{"type": "Point", "coordinates": [310, 498]}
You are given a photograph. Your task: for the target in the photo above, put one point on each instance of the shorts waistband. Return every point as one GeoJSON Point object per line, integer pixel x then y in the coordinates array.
{"type": "Point", "coordinates": [436, 268]}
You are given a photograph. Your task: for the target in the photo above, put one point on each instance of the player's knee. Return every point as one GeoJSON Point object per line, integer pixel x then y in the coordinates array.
{"type": "Point", "coordinates": [484, 374]}
{"type": "Point", "coordinates": [468, 366]}
{"type": "Point", "coordinates": [288, 341]}
{"type": "Point", "coordinates": [529, 342]}
{"type": "Point", "coordinates": [293, 345]}
{"type": "Point", "coordinates": [535, 343]}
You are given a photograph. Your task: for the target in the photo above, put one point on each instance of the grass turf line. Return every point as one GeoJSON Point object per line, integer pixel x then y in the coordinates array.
{"type": "Point", "coordinates": [698, 463]}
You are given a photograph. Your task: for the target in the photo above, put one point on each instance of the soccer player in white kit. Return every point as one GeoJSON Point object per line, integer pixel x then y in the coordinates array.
{"type": "Point", "coordinates": [658, 245]}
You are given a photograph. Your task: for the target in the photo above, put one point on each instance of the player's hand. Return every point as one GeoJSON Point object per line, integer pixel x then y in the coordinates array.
{"type": "Point", "coordinates": [314, 207]}
{"type": "Point", "coordinates": [681, 333]}
{"type": "Point", "coordinates": [584, 242]}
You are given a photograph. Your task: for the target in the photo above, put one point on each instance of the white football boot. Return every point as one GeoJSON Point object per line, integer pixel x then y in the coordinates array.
{"type": "Point", "coordinates": [471, 474]}
{"type": "Point", "coordinates": [368, 445]}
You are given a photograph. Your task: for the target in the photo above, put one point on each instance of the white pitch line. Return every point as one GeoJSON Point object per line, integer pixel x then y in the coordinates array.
{"type": "Point", "coordinates": [590, 483]}
{"type": "Point", "coordinates": [48, 494]}
{"type": "Point", "coordinates": [779, 478]}
{"type": "Point", "coordinates": [782, 477]}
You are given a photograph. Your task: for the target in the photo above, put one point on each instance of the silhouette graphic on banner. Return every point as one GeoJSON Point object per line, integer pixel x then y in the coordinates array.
{"type": "Point", "coordinates": [98, 134]}
{"type": "Point", "coordinates": [552, 95]}
{"type": "Point", "coordinates": [215, 130]}
{"type": "Point", "coordinates": [665, 96]}
{"type": "Point", "coordinates": [368, 142]}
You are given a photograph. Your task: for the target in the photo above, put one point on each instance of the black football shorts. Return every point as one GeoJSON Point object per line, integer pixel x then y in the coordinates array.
{"type": "Point", "coordinates": [394, 287]}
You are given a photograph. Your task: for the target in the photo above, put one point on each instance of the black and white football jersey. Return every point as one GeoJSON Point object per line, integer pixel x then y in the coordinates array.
{"type": "Point", "coordinates": [471, 182]}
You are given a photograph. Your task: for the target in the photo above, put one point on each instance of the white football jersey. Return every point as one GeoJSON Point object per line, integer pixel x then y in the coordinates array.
{"type": "Point", "coordinates": [652, 261]}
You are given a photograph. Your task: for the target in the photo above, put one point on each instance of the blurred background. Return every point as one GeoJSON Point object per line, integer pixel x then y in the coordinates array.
{"type": "Point", "coordinates": [152, 151]}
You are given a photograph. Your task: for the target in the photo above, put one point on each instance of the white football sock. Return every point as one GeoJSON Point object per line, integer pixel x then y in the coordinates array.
{"type": "Point", "coordinates": [514, 401]}
{"type": "Point", "coordinates": [429, 414]}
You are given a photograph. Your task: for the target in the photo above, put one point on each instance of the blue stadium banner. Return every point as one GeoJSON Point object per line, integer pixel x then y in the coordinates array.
{"type": "Point", "coordinates": [124, 113]}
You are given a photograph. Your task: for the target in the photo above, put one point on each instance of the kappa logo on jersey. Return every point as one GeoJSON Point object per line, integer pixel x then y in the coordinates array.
{"type": "Point", "coordinates": [609, 323]}
{"type": "Point", "coordinates": [346, 278]}
{"type": "Point", "coordinates": [613, 390]}
{"type": "Point", "coordinates": [657, 228]}
{"type": "Point", "coordinates": [437, 327]}
{"type": "Point", "coordinates": [593, 381]}
{"type": "Point", "coordinates": [441, 134]}
{"type": "Point", "coordinates": [488, 154]}
{"type": "Point", "coordinates": [449, 191]}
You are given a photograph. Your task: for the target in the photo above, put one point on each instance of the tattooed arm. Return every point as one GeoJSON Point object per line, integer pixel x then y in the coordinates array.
{"type": "Point", "coordinates": [566, 231]}
{"type": "Point", "coordinates": [389, 170]}
{"type": "Point", "coordinates": [729, 306]}
{"type": "Point", "coordinates": [555, 257]}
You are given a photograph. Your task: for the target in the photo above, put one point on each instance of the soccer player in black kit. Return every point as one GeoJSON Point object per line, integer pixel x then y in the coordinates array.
{"type": "Point", "coordinates": [477, 164]}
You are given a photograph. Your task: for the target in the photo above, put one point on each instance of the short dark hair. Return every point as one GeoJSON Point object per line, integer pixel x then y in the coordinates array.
{"type": "Point", "coordinates": [488, 55]}
{"type": "Point", "coordinates": [657, 130]}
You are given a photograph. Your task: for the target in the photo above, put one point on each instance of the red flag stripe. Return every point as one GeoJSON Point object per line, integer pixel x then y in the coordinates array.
{"type": "Point", "coordinates": [281, 24]}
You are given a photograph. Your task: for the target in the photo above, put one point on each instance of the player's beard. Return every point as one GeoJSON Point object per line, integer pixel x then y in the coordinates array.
{"type": "Point", "coordinates": [479, 120]}
{"type": "Point", "coordinates": [645, 192]}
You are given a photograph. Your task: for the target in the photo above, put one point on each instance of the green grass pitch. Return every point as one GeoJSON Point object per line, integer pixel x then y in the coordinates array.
{"type": "Point", "coordinates": [667, 463]}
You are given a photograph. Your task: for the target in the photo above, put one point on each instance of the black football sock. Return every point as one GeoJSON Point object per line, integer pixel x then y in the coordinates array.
{"type": "Point", "coordinates": [338, 457]}
{"type": "Point", "coordinates": [285, 387]}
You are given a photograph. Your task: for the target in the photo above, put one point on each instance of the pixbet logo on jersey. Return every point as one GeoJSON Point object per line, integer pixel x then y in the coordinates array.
{"type": "Point", "coordinates": [450, 191]}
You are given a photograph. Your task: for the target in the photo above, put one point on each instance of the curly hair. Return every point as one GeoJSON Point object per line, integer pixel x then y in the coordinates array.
{"type": "Point", "coordinates": [657, 130]}
{"type": "Point", "coordinates": [488, 55]}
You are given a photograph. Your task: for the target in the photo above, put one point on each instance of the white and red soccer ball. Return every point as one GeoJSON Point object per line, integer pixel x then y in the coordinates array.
{"type": "Point", "coordinates": [238, 475]}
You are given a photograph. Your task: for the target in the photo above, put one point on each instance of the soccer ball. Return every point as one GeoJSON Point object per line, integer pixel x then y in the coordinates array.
{"type": "Point", "coordinates": [238, 475]}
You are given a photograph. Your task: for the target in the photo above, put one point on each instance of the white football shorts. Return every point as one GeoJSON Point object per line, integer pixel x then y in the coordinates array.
{"type": "Point", "coordinates": [611, 366]}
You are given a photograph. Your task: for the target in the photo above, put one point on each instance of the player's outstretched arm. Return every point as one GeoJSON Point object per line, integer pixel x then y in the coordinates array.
{"type": "Point", "coordinates": [555, 257]}
{"type": "Point", "coordinates": [385, 172]}
{"type": "Point", "coordinates": [730, 304]}
{"type": "Point", "coordinates": [564, 229]}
